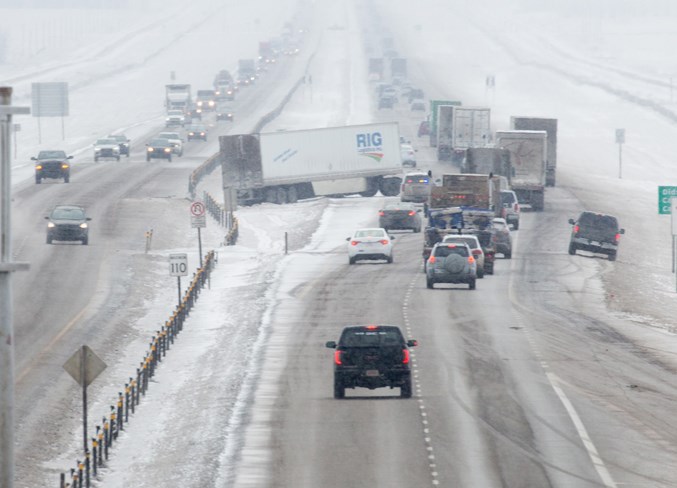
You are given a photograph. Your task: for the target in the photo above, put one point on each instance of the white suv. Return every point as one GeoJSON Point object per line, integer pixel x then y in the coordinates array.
{"type": "Point", "coordinates": [175, 140]}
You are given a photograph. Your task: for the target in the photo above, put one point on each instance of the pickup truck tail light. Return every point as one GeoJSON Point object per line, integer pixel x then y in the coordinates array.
{"type": "Point", "coordinates": [411, 212]}
{"type": "Point", "coordinates": [618, 237]}
{"type": "Point", "coordinates": [381, 213]}
{"type": "Point", "coordinates": [576, 228]}
{"type": "Point", "coordinates": [405, 356]}
{"type": "Point", "coordinates": [337, 357]}
{"type": "Point", "coordinates": [471, 259]}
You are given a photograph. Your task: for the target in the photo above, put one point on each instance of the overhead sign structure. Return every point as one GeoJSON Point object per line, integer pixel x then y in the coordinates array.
{"type": "Point", "coordinates": [178, 264]}
{"type": "Point", "coordinates": [665, 194]}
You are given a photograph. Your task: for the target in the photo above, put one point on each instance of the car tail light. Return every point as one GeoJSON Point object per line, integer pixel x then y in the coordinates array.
{"type": "Point", "coordinates": [618, 237]}
{"type": "Point", "coordinates": [371, 327]}
{"type": "Point", "coordinates": [576, 228]}
{"type": "Point", "coordinates": [354, 243]}
{"type": "Point", "coordinates": [405, 356]}
{"type": "Point", "coordinates": [384, 241]}
{"type": "Point", "coordinates": [471, 259]}
{"type": "Point", "coordinates": [337, 357]}
{"type": "Point", "coordinates": [431, 259]}
{"type": "Point", "coordinates": [477, 252]}
{"type": "Point", "coordinates": [381, 213]}
{"type": "Point", "coordinates": [411, 212]}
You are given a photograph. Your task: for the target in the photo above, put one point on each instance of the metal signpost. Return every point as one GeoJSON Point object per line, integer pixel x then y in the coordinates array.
{"type": "Point", "coordinates": [84, 366]}
{"type": "Point", "coordinates": [7, 267]}
{"type": "Point", "coordinates": [50, 100]}
{"type": "Point", "coordinates": [667, 204]}
{"type": "Point", "coordinates": [198, 220]}
{"type": "Point", "coordinates": [178, 266]}
{"type": "Point", "coordinates": [620, 140]}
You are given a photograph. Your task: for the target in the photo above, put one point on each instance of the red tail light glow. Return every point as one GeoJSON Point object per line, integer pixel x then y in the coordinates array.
{"type": "Point", "coordinates": [471, 259]}
{"type": "Point", "coordinates": [405, 356]}
{"type": "Point", "coordinates": [384, 241]}
{"type": "Point", "coordinates": [431, 259]}
{"type": "Point", "coordinates": [618, 237]}
{"type": "Point", "coordinates": [411, 212]}
{"type": "Point", "coordinates": [337, 357]}
{"type": "Point", "coordinates": [576, 229]}
{"type": "Point", "coordinates": [371, 327]}
{"type": "Point", "coordinates": [381, 213]}
{"type": "Point", "coordinates": [354, 243]}
{"type": "Point", "coordinates": [477, 252]}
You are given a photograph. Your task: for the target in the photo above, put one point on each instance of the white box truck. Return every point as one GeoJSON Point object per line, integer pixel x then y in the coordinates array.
{"type": "Point", "coordinates": [178, 97]}
{"type": "Point", "coordinates": [528, 156]}
{"type": "Point", "coordinates": [281, 167]}
{"type": "Point", "coordinates": [459, 128]}
{"type": "Point", "coordinates": [548, 125]}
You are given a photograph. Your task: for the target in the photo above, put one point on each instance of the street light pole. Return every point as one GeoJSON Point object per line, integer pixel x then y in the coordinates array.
{"type": "Point", "coordinates": [6, 269]}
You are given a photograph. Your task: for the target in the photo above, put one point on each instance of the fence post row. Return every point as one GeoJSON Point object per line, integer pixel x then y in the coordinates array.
{"type": "Point", "coordinates": [112, 425]}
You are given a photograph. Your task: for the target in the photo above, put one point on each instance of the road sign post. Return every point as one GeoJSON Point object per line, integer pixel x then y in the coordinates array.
{"type": "Point", "coordinates": [198, 220]}
{"type": "Point", "coordinates": [178, 266]}
{"type": "Point", "coordinates": [620, 140]}
{"type": "Point", "coordinates": [84, 366]}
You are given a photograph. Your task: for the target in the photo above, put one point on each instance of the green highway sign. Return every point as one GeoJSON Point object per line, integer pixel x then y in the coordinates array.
{"type": "Point", "coordinates": [665, 194]}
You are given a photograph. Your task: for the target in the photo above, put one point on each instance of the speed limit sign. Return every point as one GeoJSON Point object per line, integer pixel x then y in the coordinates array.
{"type": "Point", "coordinates": [178, 265]}
{"type": "Point", "coordinates": [197, 209]}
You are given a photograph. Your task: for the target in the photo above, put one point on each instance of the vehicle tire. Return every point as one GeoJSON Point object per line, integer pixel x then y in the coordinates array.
{"type": "Point", "coordinates": [572, 249]}
{"type": "Point", "coordinates": [352, 260]}
{"type": "Point", "coordinates": [405, 389]}
{"type": "Point", "coordinates": [169, 159]}
{"type": "Point", "coordinates": [127, 154]}
{"type": "Point", "coordinates": [516, 225]}
{"type": "Point", "coordinates": [471, 284]}
{"type": "Point", "coordinates": [339, 389]}
{"type": "Point", "coordinates": [49, 239]}
{"type": "Point", "coordinates": [85, 241]}
{"type": "Point", "coordinates": [96, 160]}
{"type": "Point", "coordinates": [417, 230]}
{"type": "Point", "coordinates": [281, 197]}
{"type": "Point", "coordinates": [389, 259]}
{"type": "Point", "coordinates": [67, 179]}
{"type": "Point", "coordinates": [612, 256]}
{"type": "Point", "coordinates": [38, 180]}
{"type": "Point", "coordinates": [507, 255]}
{"type": "Point", "coordinates": [489, 270]}
{"type": "Point", "coordinates": [429, 283]}
{"type": "Point", "coordinates": [454, 263]}
{"type": "Point", "coordinates": [480, 272]}
{"type": "Point", "coordinates": [147, 158]}
{"type": "Point", "coordinates": [292, 194]}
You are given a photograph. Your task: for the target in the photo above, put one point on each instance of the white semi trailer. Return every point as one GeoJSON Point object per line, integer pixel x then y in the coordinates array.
{"type": "Point", "coordinates": [281, 167]}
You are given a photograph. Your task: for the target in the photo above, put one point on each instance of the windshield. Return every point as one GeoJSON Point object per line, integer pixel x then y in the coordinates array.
{"type": "Point", "coordinates": [103, 142]}
{"type": "Point", "coordinates": [68, 213]}
{"type": "Point", "coordinates": [370, 233]}
{"type": "Point", "coordinates": [472, 242]}
{"type": "Point", "coordinates": [159, 142]}
{"type": "Point", "coordinates": [51, 155]}
{"type": "Point", "coordinates": [599, 221]}
{"type": "Point", "coordinates": [371, 338]}
{"type": "Point", "coordinates": [447, 250]}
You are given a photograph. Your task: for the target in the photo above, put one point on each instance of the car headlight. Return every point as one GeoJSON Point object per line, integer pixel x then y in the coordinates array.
{"type": "Point", "coordinates": [191, 133]}
{"type": "Point", "coordinates": [150, 149]}
{"type": "Point", "coordinates": [39, 166]}
{"type": "Point", "coordinates": [211, 103]}
{"type": "Point", "coordinates": [50, 225]}
{"type": "Point", "coordinates": [65, 166]}
{"type": "Point", "coordinates": [202, 133]}
{"type": "Point", "coordinates": [83, 225]}
{"type": "Point", "coordinates": [167, 149]}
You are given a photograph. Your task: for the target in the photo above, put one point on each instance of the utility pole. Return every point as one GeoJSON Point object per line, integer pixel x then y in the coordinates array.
{"type": "Point", "coordinates": [6, 312]}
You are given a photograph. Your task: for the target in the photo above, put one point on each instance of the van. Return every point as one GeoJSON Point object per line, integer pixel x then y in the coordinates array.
{"type": "Point", "coordinates": [415, 188]}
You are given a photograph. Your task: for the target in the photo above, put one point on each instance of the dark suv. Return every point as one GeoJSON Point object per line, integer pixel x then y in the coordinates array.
{"type": "Point", "coordinates": [68, 223]}
{"type": "Point", "coordinates": [372, 356]}
{"type": "Point", "coordinates": [595, 232]}
{"type": "Point", "coordinates": [52, 164]}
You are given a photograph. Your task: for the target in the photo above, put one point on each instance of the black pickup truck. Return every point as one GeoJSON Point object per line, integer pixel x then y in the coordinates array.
{"type": "Point", "coordinates": [372, 356]}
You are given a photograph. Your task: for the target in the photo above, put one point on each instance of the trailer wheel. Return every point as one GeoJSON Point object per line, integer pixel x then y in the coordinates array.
{"type": "Point", "coordinates": [292, 195]}
{"type": "Point", "coordinates": [271, 195]}
{"type": "Point", "coordinates": [372, 187]}
{"type": "Point", "coordinates": [390, 187]}
{"type": "Point", "coordinates": [281, 196]}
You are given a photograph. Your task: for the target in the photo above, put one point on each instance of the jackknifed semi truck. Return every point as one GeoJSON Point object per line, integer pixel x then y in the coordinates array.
{"type": "Point", "coordinates": [285, 166]}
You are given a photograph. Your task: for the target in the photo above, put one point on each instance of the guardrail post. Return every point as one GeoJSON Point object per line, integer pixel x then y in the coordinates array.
{"type": "Point", "coordinates": [119, 413]}
{"type": "Point", "coordinates": [95, 453]}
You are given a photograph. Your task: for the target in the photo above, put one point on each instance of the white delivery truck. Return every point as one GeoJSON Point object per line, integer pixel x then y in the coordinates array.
{"type": "Point", "coordinates": [281, 167]}
{"type": "Point", "coordinates": [528, 157]}
{"type": "Point", "coordinates": [548, 125]}
{"type": "Point", "coordinates": [178, 97]}
{"type": "Point", "coordinates": [460, 128]}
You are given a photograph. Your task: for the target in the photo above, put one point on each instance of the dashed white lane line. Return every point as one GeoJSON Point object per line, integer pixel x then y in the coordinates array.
{"type": "Point", "coordinates": [417, 387]}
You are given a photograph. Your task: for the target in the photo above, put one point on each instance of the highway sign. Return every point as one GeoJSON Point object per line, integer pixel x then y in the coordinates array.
{"type": "Point", "coordinates": [84, 366]}
{"type": "Point", "coordinates": [665, 194]}
{"type": "Point", "coordinates": [197, 209]}
{"type": "Point", "coordinates": [49, 99]}
{"type": "Point", "coordinates": [178, 265]}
